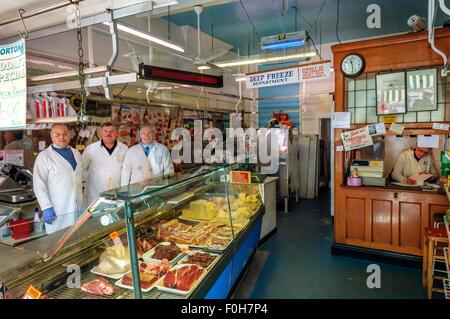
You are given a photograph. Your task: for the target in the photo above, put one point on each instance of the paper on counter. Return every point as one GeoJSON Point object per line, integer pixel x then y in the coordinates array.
{"type": "Point", "coordinates": [431, 141]}
{"type": "Point", "coordinates": [396, 128]}
{"type": "Point", "coordinates": [340, 120]}
{"type": "Point", "coordinates": [441, 126]}
{"type": "Point", "coordinates": [419, 178]}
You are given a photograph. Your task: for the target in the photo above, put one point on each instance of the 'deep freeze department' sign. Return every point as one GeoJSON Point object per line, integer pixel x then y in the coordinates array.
{"type": "Point", "coordinates": [13, 85]}
{"type": "Point", "coordinates": [272, 78]}
{"type": "Point", "coordinates": [287, 76]}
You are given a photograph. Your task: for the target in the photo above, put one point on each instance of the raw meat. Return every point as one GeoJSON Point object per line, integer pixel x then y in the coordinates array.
{"type": "Point", "coordinates": [144, 244]}
{"type": "Point", "coordinates": [157, 269]}
{"type": "Point", "coordinates": [99, 286]}
{"type": "Point", "coordinates": [146, 280]}
{"type": "Point", "coordinates": [200, 259]}
{"type": "Point", "coordinates": [183, 278]}
{"type": "Point", "coordinates": [169, 252]}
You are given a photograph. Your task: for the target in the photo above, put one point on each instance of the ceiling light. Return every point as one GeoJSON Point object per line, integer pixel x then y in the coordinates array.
{"type": "Point", "coordinates": [59, 75]}
{"type": "Point", "coordinates": [162, 3]}
{"type": "Point", "coordinates": [286, 45]}
{"type": "Point", "coordinates": [203, 67]}
{"type": "Point", "coordinates": [147, 36]}
{"type": "Point", "coordinates": [265, 60]}
{"type": "Point", "coordinates": [164, 88]}
{"type": "Point", "coordinates": [241, 79]}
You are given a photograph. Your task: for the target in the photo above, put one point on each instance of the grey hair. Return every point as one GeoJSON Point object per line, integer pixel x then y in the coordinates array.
{"type": "Point", "coordinates": [56, 125]}
{"type": "Point", "coordinates": [150, 126]}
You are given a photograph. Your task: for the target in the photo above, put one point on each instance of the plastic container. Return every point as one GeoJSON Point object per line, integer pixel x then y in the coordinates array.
{"type": "Point", "coordinates": [21, 228]}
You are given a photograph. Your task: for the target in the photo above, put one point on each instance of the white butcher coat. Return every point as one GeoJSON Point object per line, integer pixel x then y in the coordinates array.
{"type": "Point", "coordinates": [407, 165]}
{"type": "Point", "coordinates": [138, 167]}
{"type": "Point", "coordinates": [100, 170]}
{"type": "Point", "coordinates": [57, 185]}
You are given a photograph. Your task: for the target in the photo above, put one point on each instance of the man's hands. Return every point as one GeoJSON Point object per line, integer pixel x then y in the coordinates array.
{"type": "Point", "coordinates": [410, 181]}
{"type": "Point", "coordinates": [49, 215]}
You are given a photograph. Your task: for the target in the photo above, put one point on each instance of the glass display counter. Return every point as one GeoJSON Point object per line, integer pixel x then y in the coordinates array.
{"type": "Point", "coordinates": [185, 236]}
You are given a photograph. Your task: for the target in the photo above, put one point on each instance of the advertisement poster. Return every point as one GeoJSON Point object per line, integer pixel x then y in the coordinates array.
{"type": "Point", "coordinates": [377, 129]}
{"type": "Point", "coordinates": [14, 157]}
{"type": "Point", "coordinates": [422, 90]}
{"type": "Point", "coordinates": [356, 139]}
{"type": "Point", "coordinates": [13, 85]}
{"type": "Point", "coordinates": [391, 93]}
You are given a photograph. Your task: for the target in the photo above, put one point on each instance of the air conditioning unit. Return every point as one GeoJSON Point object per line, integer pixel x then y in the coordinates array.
{"type": "Point", "coordinates": [284, 40]}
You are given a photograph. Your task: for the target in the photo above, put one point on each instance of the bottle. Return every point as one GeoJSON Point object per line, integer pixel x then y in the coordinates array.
{"type": "Point", "coordinates": [37, 221]}
{"type": "Point", "coordinates": [5, 230]}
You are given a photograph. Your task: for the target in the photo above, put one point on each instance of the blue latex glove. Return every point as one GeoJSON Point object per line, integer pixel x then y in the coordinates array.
{"type": "Point", "coordinates": [49, 215]}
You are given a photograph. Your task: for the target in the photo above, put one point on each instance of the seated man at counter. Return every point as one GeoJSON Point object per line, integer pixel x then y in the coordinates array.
{"type": "Point", "coordinates": [147, 159]}
{"type": "Point", "coordinates": [413, 162]}
{"type": "Point", "coordinates": [57, 181]}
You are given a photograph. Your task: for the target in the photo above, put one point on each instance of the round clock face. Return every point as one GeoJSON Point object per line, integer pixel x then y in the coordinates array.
{"type": "Point", "coordinates": [353, 65]}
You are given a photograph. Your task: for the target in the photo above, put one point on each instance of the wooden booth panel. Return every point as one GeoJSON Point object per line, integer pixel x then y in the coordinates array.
{"type": "Point", "coordinates": [410, 223]}
{"type": "Point", "coordinates": [355, 218]}
{"type": "Point", "coordinates": [382, 221]}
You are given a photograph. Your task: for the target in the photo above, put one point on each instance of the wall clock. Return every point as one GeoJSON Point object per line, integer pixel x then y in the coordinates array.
{"type": "Point", "coordinates": [353, 65]}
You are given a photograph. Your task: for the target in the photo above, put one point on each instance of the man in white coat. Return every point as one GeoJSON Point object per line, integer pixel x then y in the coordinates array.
{"type": "Point", "coordinates": [147, 159]}
{"type": "Point", "coordinates": [101, 163]}
{"type": "Point", "coordinates": [57, 181]}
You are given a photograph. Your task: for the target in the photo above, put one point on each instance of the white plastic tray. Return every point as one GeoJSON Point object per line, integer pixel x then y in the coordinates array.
{"type": "Point", "coordinates": [147, 257]}
{"type": "Point", "coordinates": [119, 284]}
{"type": "Point", "coordinates": [160, 283]}
{"type": "Point", "coordinates": [115, 276]}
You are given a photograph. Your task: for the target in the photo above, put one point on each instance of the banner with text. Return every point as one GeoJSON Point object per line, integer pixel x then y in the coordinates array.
{"type": "Point", "coordinates": [13, 85]}
{"type": "Point", "coordinates": [315, 72]}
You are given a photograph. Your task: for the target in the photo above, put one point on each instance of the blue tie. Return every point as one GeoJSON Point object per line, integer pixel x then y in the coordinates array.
{"type": "Point", "coordinates": [147, 150]}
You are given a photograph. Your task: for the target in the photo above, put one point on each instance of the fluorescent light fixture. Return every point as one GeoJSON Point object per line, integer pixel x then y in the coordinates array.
{"type": "Point", "coordinates": [160, 4]}
{"type": "Point", "coordinates": [147, 36]}
{"type": "Point", "coordinates": [203, 67]}
{"type": "Point", "coordinates": [284, 45]}
{"type": "Point", "coordinates": [53, 76]}
{"type": "Point", "coordinates": [265, 60]}
{"type": "Point", "coordinates": [241, 79]}
{"type": "Point", "coordinates": [164, 88]}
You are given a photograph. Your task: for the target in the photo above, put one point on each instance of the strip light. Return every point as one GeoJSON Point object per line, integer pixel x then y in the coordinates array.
{"type": "Point", "coordinates": [203, 67]}
{"type": "Point", "coordinates": [147, 36]}
{"type": "Point", "coordinates": [265, 60]}
{"type": "Point", "coordinates": [59, 75]}
{"type": "Point", "coordinates": [285, 45]}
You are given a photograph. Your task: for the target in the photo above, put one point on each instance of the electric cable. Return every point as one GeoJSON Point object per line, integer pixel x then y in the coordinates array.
{"type": "Point", "coordinates": [249, 19]}
{"type": "Point", "coordinates": [321, 60]}
{"type": "Point", "coordinates": [337, 22]}
{"type": "Point", "coordinates": [124, 87]}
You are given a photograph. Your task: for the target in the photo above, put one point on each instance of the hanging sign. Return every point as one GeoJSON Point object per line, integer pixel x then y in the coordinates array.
{"type": "Point", "coordinates": [356, 139]}
{"type": "Point", "coordinates": [306, 73]}
{"type": "Point", "coordinates": [272, 78]}
{"type": "Point", "coordinates": [13, 85]}
{"type": "Point", "coordinates": [315, 72]}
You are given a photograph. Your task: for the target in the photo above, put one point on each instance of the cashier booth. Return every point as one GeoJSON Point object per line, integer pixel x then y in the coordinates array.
{"type": "Point", "coordinates": [375, 163]}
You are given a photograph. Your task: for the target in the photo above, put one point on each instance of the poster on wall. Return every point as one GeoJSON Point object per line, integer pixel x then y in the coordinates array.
{"type": "Point", "coordinates": [391, 93]}
{"type": "Point", "coordinates": [315, 72]}
{"type": "Point", "coordinates": [13, 85]}
{"type": "Point", "coordinates": [421, 90]}
{"type": "Point", "coordinates": [356, 139]}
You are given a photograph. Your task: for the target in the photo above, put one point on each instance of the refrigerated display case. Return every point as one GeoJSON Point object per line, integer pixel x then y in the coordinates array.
{"type": "Point", "coordinates": [197, 217]}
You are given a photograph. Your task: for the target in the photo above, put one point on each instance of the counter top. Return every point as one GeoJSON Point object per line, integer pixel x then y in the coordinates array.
{"type": "Point", "coordinates": [392, 188]}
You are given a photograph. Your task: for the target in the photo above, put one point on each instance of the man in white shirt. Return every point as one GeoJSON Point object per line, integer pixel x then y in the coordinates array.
{"type": "Point", "coordinates": [101, 163]}
{"type": "Point", "coordinates": [147, 159]}
{"type": "Point", "coordinates": [413, 162]}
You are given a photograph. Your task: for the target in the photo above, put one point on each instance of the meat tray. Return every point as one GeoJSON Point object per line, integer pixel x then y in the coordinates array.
{"type": "Point", "coordinates": [114, 276]}
{"type": "Point", "coordinates": [147, 257]}
{"type": "Point", "coordinates": [180, 262]}
{"type": "Point", "coordinates": [160, 283]}
{"type": "Point", "coordinates": [119, 284]}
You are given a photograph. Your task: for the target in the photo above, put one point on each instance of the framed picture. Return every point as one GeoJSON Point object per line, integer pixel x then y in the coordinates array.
{"type": "Point", "coordinates": [391, 93]}
{"type": "Point", "coordinates": [421, 90]}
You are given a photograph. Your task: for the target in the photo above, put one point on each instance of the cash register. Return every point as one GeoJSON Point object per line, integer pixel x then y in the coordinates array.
{"type": "Point", "coordinates": [371, 172]}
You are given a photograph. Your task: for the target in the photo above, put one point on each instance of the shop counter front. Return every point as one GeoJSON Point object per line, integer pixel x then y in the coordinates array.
{"type": "Point", "coordinates": [390, 218]}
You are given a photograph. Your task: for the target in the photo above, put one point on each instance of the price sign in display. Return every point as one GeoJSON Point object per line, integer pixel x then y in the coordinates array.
{"type": "Point", "coordinates": [32, 293]}
{"type": "Point", "coordinates": [240, 177]}
{"type": "Point", "coordinates": [13, 85]}
{"type": "Point", "coordinates": [115, 238]}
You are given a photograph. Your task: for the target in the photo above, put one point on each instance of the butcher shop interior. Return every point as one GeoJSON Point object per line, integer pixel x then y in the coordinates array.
{"type": "Point", "coordinates": [224, 149]}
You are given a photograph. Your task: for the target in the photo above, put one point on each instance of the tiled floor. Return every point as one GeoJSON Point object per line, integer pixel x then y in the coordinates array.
{"type": "Point", "coordinates": [299, 264]}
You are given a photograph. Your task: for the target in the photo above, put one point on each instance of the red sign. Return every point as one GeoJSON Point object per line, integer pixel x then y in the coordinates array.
{"type": "Point", "coordinates": [240, 177]}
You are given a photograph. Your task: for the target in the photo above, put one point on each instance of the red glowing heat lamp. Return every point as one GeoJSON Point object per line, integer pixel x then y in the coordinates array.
{"type": "Point", "coordinates": [150, 72]}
